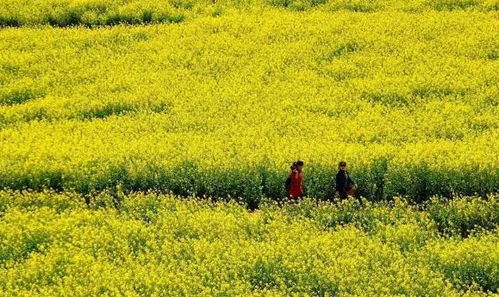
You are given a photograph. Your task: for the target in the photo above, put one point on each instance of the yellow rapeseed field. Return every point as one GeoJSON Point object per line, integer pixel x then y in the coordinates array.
{"type": "Point", "coordinates": [55, 245]}
{"type": "Point", "coordinates": [395, 91]}
{"type": "Point", "coordinates": [134, 135]}
{"type": "Point", "coordinates": [220, 105]}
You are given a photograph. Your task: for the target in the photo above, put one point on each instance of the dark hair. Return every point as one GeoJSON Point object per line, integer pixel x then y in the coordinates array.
{"type": "Point", "coordinates": [342, 163]}
{"type": "Point", "coordinates": [296, 164]}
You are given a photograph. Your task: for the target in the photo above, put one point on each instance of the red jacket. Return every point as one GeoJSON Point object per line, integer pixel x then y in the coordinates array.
{"type": "Point", "coordinates": [296, 188]}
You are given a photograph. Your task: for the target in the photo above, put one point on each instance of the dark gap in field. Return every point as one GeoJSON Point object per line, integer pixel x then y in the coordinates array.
{"type": "Point", "coordinates": [74, 19]}
{"type": "Point", "coordinates": [14, 97]}
{"type": "Point", "coordinates": [431, 91]}
{"type": "Point", "coordinates": [120, 109]}
{"type": "Point", "coordinates": [388, 99]}
{"type": "Point", "coordinates": [107, 111]}
{"type": "Point", "coordinates": [443, 5]}
{"type": "Point", "coordinates": [493, 55]}
{"type": "Point", "coordinates": [340, 51]}
{"type": "Point", "coordinates": [95, 113]}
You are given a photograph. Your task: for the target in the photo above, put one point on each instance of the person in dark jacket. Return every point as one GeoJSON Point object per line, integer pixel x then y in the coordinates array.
{"type": "Point", "coordinates": [345, 185]}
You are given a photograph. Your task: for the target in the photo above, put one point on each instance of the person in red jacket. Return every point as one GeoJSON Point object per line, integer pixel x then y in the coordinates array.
{"type": "Point", "coordinates": [295, 190]}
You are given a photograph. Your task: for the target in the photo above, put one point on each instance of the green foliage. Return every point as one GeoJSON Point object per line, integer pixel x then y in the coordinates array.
{"type": "Point", "coordinates": [464, 216]}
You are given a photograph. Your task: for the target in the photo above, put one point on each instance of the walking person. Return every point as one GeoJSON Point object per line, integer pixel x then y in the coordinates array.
{"type": "Point", "coordinates": [294, 181]}
{"type": "Point", "coordinates": [345, 185]}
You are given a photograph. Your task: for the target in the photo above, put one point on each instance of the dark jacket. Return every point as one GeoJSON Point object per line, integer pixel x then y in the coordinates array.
{"type": "Point", "coordinates": [343, 180]}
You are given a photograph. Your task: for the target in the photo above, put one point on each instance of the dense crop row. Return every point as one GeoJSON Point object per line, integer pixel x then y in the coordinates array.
{"type": "Point", "coordinates": [56, 245]}
{"type": "Point", "coordinates": [220, 107]}
{"type": "Point", "coordinates": [111, 12]}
